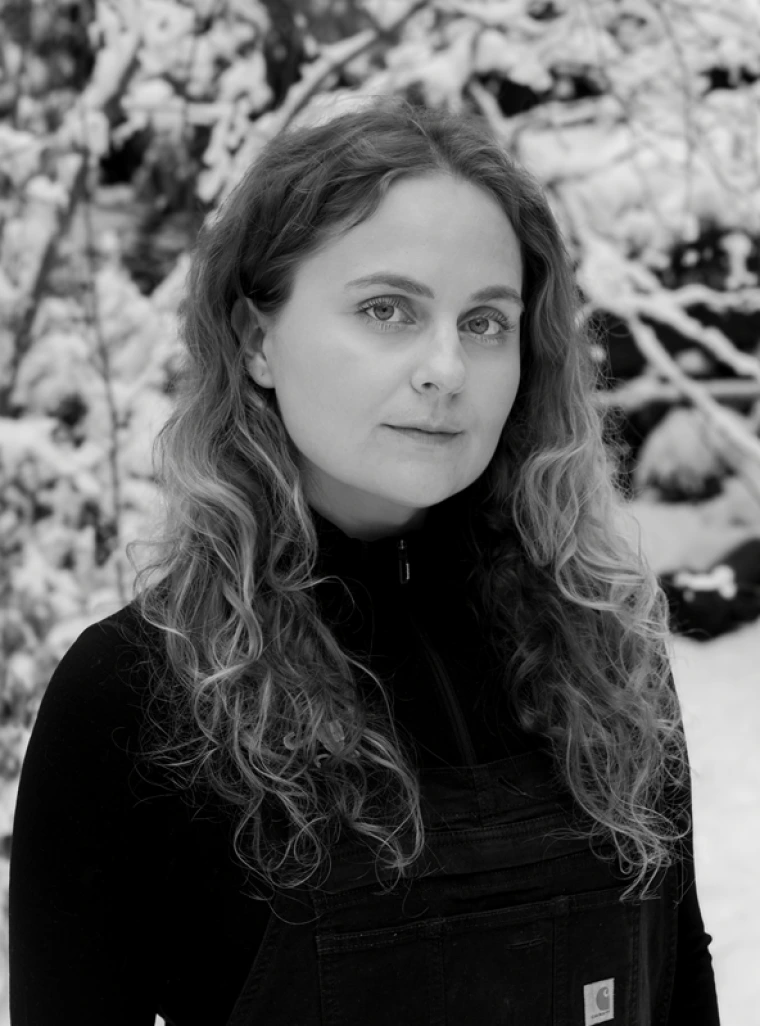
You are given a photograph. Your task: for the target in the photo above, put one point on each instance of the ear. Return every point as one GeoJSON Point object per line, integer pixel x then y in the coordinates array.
{"type": "Point", "coordinates": [250, 327]}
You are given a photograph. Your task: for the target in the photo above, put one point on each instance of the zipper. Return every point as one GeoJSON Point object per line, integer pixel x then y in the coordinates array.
{"type": "Point", "coordinates": [439, 670]}
{"type": "Point", "coordinates": [404, 572]}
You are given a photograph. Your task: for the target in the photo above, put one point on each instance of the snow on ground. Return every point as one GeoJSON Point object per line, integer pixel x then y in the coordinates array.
{"type": "Point", "coordinates": [719, 687]}
{"type": "Point", "coordinates": [718, 684]}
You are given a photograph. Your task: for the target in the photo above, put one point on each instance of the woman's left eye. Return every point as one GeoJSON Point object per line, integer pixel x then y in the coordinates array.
{"type": "Point", "coordinates": [392, 302]}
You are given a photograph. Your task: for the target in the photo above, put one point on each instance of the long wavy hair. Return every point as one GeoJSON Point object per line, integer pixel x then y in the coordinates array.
{"type": "Point", "coordinates": [574, 614]}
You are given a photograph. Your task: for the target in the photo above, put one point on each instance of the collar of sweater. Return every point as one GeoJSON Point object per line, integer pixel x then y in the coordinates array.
{"type": "Point", "coordinates": [416, 559]}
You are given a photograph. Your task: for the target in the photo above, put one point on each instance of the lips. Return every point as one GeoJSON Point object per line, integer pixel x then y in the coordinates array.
{"type": "Point", "coordinates": [430, 438]}
{"type": "Point", "coordinates": [425, 430]}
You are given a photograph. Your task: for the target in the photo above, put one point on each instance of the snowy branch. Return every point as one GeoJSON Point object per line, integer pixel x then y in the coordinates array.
{"type": "Point", "coordinates": [660, 308]}
{"type": "Point", "coordinates": [653, 350]}
{"type": "Point", "coordinates": [646, 389]}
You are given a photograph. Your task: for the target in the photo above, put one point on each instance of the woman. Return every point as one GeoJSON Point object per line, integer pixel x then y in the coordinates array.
{"type": "Point", "coordinates": [391, 737]}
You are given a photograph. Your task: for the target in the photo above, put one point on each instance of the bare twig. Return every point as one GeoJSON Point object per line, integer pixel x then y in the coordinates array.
{"type": "Point", "coordinates": [96, 326]}
{"type": "Point", "coordinates": [29, 305]}
{"type": "Point", "coordinates": [689, 117]}
{"type": "Point", "coordinates": [21, 14]}
{"type": "Point", "coordinates": [639, 142]}
{"type": "Point", "coordinates": [109, 79]}
{"type": "Point", "coordinates": [336, 57]}
{"type": "Point", "coordinates": [690, 120]}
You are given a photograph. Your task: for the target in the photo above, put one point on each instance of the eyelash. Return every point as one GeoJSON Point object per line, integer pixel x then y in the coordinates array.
{"type": "Point", "coordinates": [494, 315]}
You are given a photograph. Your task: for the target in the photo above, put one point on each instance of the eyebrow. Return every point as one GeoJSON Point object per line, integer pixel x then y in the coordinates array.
{"type": "Point", "coordinates": [400, 281]}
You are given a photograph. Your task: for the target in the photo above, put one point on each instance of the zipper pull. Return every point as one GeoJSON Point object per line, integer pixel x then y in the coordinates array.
{"type": "Point", "coordinates": [404, 572]}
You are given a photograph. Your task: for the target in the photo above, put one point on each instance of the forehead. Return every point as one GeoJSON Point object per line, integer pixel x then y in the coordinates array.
{"type": "Point", "coordinates": [436, 225]}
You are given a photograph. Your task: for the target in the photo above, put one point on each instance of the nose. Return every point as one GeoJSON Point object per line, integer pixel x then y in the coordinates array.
{"type": "Point", "coordinates": [440, 361]}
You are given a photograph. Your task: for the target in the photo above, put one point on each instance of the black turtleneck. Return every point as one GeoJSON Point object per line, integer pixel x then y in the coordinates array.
{"type": "Point", "coordinates": [126, 902]}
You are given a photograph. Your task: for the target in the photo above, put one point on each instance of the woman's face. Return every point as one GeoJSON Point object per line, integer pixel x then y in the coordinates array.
{"type": "Point", "coordinates": [349, 360]}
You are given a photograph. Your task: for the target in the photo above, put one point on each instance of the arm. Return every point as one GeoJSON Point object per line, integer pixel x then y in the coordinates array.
{"type": "Point", "coordinates": [79, 902]}
{"type": "Point", "coordinates": [694, 1001]}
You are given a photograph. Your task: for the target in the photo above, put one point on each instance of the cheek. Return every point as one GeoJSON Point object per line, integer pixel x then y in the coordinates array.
{"type": "Point", "coordinates": [324, 407]}
{"type": "Point", "coordinates": [498, 391]}
{"type": "Point", "coordinates": [306, 377]}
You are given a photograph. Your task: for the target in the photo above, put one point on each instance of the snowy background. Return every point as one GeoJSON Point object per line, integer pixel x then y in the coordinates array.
{"type": "Point", "coordinates": [124, 122]}
{"type": "Point", "coordinates": [719, 687]}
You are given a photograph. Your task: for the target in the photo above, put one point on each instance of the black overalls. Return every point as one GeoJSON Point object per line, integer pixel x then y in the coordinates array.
{"type": "Point", "coordinates": [500, 924]}
{"type": "Point", "coordinates": [509, 926]}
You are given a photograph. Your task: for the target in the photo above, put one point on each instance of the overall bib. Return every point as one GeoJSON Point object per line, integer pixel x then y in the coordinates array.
{"type": "Point", "coordinates": [499, 924]}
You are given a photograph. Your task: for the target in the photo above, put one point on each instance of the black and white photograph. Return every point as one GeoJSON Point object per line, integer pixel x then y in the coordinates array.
{"type": "Point", "coordinates": [379, 512]}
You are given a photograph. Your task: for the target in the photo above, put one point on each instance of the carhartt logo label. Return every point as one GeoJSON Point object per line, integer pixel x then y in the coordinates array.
{"type": "Point", "coordinates": [599, 1002]}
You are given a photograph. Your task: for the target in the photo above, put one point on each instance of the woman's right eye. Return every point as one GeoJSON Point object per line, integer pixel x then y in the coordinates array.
{"type": "Point", "coordinates": [389, 303]}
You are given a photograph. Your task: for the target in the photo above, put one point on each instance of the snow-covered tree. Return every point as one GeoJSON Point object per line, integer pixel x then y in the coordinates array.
{"type": "Point", "coordinates": [124, 122]}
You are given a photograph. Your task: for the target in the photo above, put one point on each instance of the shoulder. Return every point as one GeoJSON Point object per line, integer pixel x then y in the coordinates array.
{"type": "Point", "coordinates": [115, 653]}
{"type": "Point", "coordinates": [99, 688]}
{"type": "Point", "coordinates": [120, 642]}
{"type": "Point", "coordinates": [80, 769]}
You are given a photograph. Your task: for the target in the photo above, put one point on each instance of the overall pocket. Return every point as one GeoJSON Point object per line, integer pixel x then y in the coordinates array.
{"type": "Point", "coordinates": [491, 967]}
{"type": "Point", "coordinates": [596, 969]}
{"type": "Point", "coordinates": [572, 960]}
